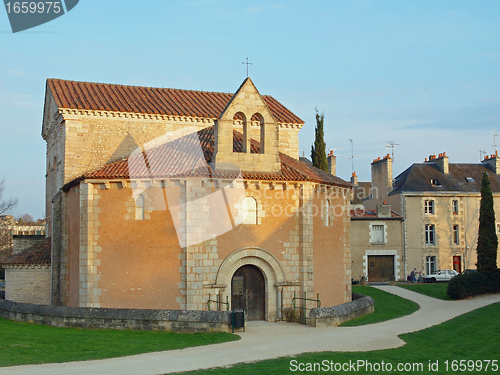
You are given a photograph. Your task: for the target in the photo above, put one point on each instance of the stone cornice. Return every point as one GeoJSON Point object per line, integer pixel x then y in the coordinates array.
{"type": "Point", "coordinates": [26, 266]}
{"type": "Point", "coordinates": [77, 114]}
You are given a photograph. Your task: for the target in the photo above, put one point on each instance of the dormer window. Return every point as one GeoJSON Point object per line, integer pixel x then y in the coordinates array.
{"type": "Point", "coordinates": [469, 179]}
{"type": "Point", "coordinates": [435, 182]}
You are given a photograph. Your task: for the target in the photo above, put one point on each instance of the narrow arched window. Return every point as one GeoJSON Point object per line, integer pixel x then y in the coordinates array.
{"type": "Point", "coordinates": [258, 117]}
{"type": "Point", "coordinates": [327, 213]}
{"type": "Point", "coordinates": [240, 118]}
{"type": "Point", "coordinates": [139, 207]}
{"type": "Point", "coordinates": [249, 210]}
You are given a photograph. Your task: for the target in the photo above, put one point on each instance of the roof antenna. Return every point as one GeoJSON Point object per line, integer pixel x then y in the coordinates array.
{"type": "Point", "coordinates": [391, 145]}
{"type": "Point", "coordinates": [335, 149]}
{"type": "Point", "coordinates": [495, 135]}
{"type": "Point", "coordinates": [481, 153]}
{"type": "Point", "coordinates": [352, 155]}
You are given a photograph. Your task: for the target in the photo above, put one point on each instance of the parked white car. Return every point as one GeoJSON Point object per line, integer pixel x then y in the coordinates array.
{"type": "Point", "coordinates": [440, 275]}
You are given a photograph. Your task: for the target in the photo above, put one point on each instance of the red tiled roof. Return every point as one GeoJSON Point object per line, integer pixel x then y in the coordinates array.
{"type": "Point", "coordinates": [372, 214]}
{"type": "Point", "coordinates": [39, 253]}
{"type": "Point", "coordinates": [185, 158]}
{"type": "Point", "coordinates": [152, 100]}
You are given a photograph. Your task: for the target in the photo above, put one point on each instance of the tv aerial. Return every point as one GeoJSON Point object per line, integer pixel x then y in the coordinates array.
{"type": "Point", "coordinates": [481, 153]}
{"type": "Point", "coordinates": [352, 155]}
{"type": "Point", "coordinates": [391, 145]}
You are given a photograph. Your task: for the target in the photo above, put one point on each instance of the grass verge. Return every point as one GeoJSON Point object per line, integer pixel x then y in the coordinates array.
{"type": "Point", "coordinates": [23, 343]}
{"type": "Point", "coordinates": [437, 290]}
{"type": "Point", "coordinates": [472, 336]}
{"type": "Point", "coordinates": [387, 306]}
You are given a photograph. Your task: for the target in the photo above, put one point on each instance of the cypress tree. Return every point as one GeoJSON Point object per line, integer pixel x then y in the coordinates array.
{"type": "Point", "coordinates": [318, 149]}
{"type": "Point", "coordinates": [487, 240]}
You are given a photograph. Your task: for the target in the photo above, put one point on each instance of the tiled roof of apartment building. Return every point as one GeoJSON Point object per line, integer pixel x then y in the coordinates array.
{"type": "Point", "coordinates": [427, 177]}
{"type": "Point", "coordinates": [372, 215]}
{"type": "Point", "coordinates": [190, 156]}
{"type": "Point", "coordinates": [152, 100]}
{"type": "Point", "coordinates": [361, 191]}
{"type": "Point", "coordinates": [37, 254]}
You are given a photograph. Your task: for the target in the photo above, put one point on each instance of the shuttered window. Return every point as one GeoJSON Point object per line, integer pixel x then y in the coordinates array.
{"type": "Point", "coordinates": [378, 234]}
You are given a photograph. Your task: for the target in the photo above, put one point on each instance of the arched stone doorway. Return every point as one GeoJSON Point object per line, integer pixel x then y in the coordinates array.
{"type": "Point", "coordinates": [248, 292]}
{"type": "Point", "coordinates": [266, 263]}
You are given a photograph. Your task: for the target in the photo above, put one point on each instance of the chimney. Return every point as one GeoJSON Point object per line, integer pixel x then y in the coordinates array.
{"type": "Point", "coordinates": [332, 166]}
{"type": "Point", "coordinates": [384, 210]}
{"type": "Point", "coordinates": [442, 163]}
{"type": "Point", "coordinates": [381, 177]}
{"type": "Point", "coordinates": [354, 179]}
{"type": "Point", "coordinates": [492, 162]}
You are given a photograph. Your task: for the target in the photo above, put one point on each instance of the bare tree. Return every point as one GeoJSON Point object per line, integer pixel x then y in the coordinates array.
{"type": "Point", "coordinates": [6, 205]}
{"type": "Point", "coordinates": [25, 219]}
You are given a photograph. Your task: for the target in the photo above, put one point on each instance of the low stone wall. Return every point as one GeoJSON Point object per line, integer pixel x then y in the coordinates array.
{"type": "Point", "coordinates": [333, 316]}
{"type": "Point", "coordinates": [28, 283]}
{"type": "Point", "coordinates": [137, 319]}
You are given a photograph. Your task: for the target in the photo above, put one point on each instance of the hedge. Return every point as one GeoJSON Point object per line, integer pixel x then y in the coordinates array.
{"type": "Point", "coordinates": [473, 284]}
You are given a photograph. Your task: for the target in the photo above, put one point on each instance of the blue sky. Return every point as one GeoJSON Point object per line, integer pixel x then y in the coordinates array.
{"type": "Point", "coordinates": [424, 74]}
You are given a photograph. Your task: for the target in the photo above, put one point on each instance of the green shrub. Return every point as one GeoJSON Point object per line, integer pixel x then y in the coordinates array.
{"type": "Point", "coordinates": [473, 284]}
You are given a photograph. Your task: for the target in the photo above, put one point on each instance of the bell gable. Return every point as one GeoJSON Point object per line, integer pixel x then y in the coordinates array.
{"type": "Point", "coordinates": [247, 106]}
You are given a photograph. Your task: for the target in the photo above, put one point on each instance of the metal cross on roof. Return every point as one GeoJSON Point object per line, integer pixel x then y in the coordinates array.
{"type": "Point", "coordinates": [247, 65]}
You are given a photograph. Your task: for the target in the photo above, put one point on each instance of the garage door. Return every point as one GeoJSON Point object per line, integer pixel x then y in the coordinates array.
{"type": "Point", "coordinates": [380, 267]}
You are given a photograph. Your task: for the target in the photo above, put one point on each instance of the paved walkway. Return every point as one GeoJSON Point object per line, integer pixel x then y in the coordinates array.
{"type": "Point", "coordinates": [264, 340]}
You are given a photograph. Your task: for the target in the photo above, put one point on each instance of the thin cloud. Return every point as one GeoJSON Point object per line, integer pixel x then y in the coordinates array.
{"type": "Point", "coordinates": [17, 73]}
{"type": "Point", "coordinates": [255, 9]}
{"type": "Point", "coordinates": [277, 6]}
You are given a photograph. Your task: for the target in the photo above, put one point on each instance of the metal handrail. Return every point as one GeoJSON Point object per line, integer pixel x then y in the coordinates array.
{"type": "Point", "coordinates": [303, 308]}
{"type": "Point", "coordinates": [217, 302]}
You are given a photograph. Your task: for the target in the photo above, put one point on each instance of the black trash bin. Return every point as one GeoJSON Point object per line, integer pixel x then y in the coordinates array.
{"type": "Point", "coordinates": [238, 318]}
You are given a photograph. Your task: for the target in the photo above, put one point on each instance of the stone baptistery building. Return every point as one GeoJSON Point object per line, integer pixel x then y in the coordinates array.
{"type": "Point", "coordinates": [164, 198]}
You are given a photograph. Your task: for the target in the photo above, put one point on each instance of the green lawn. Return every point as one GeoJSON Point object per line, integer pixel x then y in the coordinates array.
{"type": "Point", "coordinates": [437, 290]}
{"type": "Point", "coordinates": [22, 343]}
{"type": "Point", "coordinates": [387, 306]}
{"type": "Point", "coordinates": [472, 336]}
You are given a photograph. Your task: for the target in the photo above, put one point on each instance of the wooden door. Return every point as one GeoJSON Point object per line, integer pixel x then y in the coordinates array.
{"type": "Point", "coordinates": [248, 292]}
{"type": "Point", "coordinates": [457, 263]}
{"type": "Point", "coordinates": [380, 267]}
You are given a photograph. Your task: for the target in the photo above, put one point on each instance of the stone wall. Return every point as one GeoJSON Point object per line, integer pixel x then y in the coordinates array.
{"type": "Point", "coordinates": [336, 315]}
{"type": "Point", "coordinates": [136, 319]}
{"type": "Point", "coordinates": [28, 284]}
